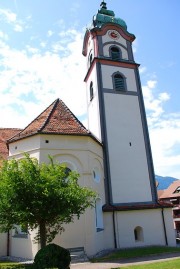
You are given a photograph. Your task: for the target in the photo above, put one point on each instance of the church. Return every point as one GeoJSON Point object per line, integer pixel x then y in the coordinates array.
{"type": "Point", "coordinates": [113, 155]}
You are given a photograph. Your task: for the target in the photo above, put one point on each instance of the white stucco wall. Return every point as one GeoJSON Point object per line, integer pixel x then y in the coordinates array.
{"type": "Point", "coordinates": [83, 154]}
{"type": "Point", "coordinates": [129, 74]}
{"type": "Point", "coordinates": [168, 218]}
{"type": "Point", "coordinates": [30, 145]}
{"type": "Point", "coordinates": [93, 105]}
{"type": "Point", "coordinates": [3, 244]}
{"type": "Point", "coordinates": [128, 163]}
{"type": "Point", "coordinates": [24, 247]}
{"type": "Point", "coordinates": [152, 225]}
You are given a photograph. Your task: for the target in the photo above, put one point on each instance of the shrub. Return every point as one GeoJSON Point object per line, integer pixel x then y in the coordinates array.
{"type": "Point", "coordinates": [52, 256]}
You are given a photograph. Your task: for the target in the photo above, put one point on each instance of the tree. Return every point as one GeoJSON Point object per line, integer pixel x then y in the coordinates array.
{"type": "Point", "coordinates": [43, 196]}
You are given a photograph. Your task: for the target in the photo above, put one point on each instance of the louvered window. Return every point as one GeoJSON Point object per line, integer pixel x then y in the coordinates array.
{"type": "Point", "coordinates": [115, 54]}
{"type": "Point", "coordinates": [119, 82]}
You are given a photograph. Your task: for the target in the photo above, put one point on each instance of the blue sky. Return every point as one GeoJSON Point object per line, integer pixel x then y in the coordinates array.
{"type": "Point", "coordinates": [41, 60]}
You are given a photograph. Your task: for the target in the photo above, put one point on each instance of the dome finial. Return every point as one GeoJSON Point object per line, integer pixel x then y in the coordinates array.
{"type": "Point", "coordinates": [103, 5]}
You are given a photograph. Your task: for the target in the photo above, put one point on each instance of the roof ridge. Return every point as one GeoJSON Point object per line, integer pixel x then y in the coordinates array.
{"type": "Point", "coordinates": [71, 113]}
{"type": "Point", "coordinates": [50, 113]}
{"type": "Point", "coordinates": [32, 121]}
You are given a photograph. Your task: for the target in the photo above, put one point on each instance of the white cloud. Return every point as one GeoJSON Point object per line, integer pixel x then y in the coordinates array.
{"type": "Point", "coordinates": [31, 80]}
{"type": "Point", "coordinates": [165, 139]}
{"type": "Point", "coordinates": [154, 105]}
{"type": "Point", "coordinates": [3, 36]}
{"type": "Point", "coordinates": [18, 28]}
{"type": "Point", "coordinates": [164, 131]}
{"type": "Point", "coordinates": [50, 33]}
{"type": "Point", "coordinates": [11, 18]}
{"type": "Point", "coordinates": [142, 70]}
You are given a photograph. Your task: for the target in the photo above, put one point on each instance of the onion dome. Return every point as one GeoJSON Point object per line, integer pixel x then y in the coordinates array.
{"type": "Point", "coordinates": [105, 15]}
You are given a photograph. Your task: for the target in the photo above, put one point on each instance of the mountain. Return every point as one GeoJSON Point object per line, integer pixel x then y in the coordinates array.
{"type": "Point", "coordinates": [164, 182]}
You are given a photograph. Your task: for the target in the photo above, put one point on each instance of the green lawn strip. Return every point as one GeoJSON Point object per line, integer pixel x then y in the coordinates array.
{"type": "Point", "coordinates": [136, 252]}
{"type": "Point", "coordinates": [14, 265]}
{"type": "Point", "coordinates": [171, 264]}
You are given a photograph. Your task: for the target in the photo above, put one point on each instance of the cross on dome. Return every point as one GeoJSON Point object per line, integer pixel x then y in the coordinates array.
{"type": "Point", "coordinates": [103, 5]}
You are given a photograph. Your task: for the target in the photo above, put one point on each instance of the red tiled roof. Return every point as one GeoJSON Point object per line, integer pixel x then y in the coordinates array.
{"type": "Point", "coordinates": [160, 192]}
{"type": "Point", "coordinates": [169, 192]}
{"type": "Point", "coordinates": [6, 133]}
{"type": "Point", "coordinates": [56, 119]}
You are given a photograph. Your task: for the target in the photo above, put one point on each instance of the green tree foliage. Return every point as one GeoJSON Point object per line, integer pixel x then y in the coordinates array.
{"type": "Point", "coordinates": [40, 196]}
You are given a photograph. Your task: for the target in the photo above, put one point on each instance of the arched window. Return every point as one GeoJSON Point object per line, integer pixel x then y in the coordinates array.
{"type": "Point", "coordinates": [91, 91]}
{"type": "Point", "coordinates": [115, 53]}
{"type": "Point", "coordinates": [99, 215]}
{"type": "Point", "coordinates": [138, 234]}
{"type": "Point", "coordinates": [119, 82]}
{"type": "Point", "coordinates": [90, 59]}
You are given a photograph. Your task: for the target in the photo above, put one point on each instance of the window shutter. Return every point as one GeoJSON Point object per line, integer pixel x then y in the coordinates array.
{"type": "Point", "coordinates": [119, 82]}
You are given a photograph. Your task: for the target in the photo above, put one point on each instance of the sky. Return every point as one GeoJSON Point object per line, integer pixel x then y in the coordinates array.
{"type": "Point", "coordinates": [41, 60]}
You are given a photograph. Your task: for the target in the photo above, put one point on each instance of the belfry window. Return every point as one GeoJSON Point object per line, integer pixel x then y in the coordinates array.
{"type": "Point", "coordinates": [119, 82]}
{"type": "Point", "coordinates": [91, 91]}
{"type": "Point", "coordinates": [115, 53]}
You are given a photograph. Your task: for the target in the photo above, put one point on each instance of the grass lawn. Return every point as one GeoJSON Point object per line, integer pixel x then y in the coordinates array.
{"type": "Point", "coordinates": [14, 265]}
{"type": "Point", "coordinates": [136, 252]}
{"type": "Point", "coordinates": [172, 264]}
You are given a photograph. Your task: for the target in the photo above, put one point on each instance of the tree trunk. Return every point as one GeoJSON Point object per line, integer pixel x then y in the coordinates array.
{"type": "Point", "coordinates": [42, 232]}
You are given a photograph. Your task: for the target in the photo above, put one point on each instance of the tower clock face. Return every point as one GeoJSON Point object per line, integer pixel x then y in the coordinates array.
{"type": "Point", "coordinates": [113, 34]}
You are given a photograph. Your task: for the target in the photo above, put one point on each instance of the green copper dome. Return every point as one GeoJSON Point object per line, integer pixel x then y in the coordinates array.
{"type": "Point", "coordinates": [104, 16]}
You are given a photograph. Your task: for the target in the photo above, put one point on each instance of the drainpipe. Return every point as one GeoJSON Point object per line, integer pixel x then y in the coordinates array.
{"type": "Point", "coordinates": [164, 226]}
{"type": "Point", "coordinates": [8, 242]}
{"type": "Point", "coordinates": [114, 229]}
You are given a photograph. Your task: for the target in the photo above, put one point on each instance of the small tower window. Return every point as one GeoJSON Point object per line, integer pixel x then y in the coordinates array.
{"type": "Point", "coordinates": [115, 53]}
{"type": "Point", "coordinates": [119, 83]}
{"type": "Point", "coordinates": [90, 59]}
{"type": "Point", "coordinates": [91, 91]}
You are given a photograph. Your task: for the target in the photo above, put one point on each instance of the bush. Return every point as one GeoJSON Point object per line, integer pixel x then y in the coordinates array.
{"type": "Point", "coordinates": [52, 256]}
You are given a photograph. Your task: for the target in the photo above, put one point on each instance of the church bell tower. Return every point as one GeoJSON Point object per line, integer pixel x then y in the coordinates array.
{"type": "Point", "coordinates": [116, 114]}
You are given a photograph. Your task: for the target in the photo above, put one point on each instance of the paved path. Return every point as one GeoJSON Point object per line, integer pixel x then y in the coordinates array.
{"type": "Point", "coordinates": [125, 262]}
